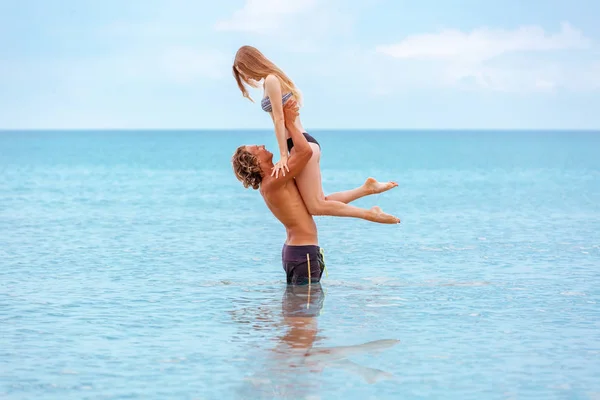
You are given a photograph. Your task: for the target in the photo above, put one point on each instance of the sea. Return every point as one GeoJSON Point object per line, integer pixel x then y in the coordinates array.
{"type": "Point", "coordinates": [133, 265]}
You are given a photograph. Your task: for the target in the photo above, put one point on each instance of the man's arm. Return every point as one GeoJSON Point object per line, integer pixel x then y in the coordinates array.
{"type": "Point", "coordinates": [302, 150]}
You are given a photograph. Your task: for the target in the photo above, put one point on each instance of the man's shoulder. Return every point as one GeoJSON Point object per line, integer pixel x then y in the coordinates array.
{"type": "Point", "coordinates": [271, 185]}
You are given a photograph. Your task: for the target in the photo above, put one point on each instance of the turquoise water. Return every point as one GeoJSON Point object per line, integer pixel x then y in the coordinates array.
{"type": "Point", "coordinates": [134, 265]}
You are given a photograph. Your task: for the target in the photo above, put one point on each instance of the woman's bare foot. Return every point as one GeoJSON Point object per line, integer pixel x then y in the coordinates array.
{"type": "Point", "coordinates": [376, 214]}
{"type": "Point", "coordinates": [373, 187]}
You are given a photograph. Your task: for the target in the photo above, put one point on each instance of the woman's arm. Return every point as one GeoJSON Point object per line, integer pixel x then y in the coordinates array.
{"type": "Point", "coordinates": [273, 91]}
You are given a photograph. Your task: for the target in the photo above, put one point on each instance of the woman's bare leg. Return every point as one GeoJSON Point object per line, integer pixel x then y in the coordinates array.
{"type": "Point", "coordinates": [371, 186]}
{"type": "Point", "coordinates": [309, 184]}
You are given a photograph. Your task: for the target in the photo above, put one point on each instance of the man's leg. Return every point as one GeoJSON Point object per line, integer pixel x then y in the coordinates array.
{"type": "Point", "coordinates": [371, 186]}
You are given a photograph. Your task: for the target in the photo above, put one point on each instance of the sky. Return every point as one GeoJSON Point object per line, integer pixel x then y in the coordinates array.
{"type": "Point", "coordinates": [360, 64]}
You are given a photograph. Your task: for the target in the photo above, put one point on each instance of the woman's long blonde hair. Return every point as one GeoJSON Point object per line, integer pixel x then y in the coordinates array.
{"type": "Point", "coordinates": [253, 64]}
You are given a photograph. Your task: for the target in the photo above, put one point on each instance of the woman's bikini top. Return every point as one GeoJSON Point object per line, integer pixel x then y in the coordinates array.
{"type": "Point", "coordinates": [265, 103]}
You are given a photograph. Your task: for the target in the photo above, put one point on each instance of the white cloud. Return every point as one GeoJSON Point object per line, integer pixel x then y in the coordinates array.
{"type": "Point", "coordinates": [484, 44]}
{"type": "Point", "coordinates": [544, 84]}
{"type": "Point", "coordinates": [171, 65]}
{"type": "Point", "coordinates": [162, 49]}
{"type": "Point", "coordinates": [186, 64]}
{"type": "Point", "coordinates": [144, 30]}
{"type": "Point", "coordinates": [503, 60]}
{"type": "Point", "coordinates": [294, 26]}
{"type": "Point", "coordinates": [265, 16]}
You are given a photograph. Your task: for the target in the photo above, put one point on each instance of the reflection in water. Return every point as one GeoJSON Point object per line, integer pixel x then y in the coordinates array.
{"type": "Point", "coordinates": [293, 367]}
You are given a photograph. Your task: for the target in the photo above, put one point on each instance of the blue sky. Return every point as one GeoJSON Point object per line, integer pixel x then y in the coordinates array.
{"type": "Point", "coordinates": [385, 64]}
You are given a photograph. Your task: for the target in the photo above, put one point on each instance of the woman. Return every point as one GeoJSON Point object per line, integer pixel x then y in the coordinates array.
{"type": "Point", "coordinates": [249, 68]}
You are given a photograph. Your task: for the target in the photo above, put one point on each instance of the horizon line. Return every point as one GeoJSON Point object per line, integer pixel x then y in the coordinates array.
{"type": "Point", "coordinates": [313, 129]}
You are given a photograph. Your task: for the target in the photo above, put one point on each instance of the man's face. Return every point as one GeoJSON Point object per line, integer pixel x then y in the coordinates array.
{"type": "Point", "coordinates": [260, 152]}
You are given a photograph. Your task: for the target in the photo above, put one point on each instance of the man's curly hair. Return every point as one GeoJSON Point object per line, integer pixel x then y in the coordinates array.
{"type": "Point", "coordinates": [246, 168]}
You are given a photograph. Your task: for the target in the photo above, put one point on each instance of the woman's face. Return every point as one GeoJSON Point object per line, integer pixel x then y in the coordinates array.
{"type": "Point", "coordinates": [248, 78]}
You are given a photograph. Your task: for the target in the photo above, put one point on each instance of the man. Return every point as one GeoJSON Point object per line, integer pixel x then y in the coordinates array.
{"type": "Point", "coordinates": [301, 254]}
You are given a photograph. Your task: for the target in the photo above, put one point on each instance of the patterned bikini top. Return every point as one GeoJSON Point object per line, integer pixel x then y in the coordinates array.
{"type": "Point", "coordinates": [265, 103]}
